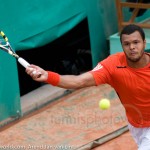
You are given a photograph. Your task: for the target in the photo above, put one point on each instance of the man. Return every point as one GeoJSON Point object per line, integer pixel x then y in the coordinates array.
{"type": "Point", "coordinates": [127, 72]}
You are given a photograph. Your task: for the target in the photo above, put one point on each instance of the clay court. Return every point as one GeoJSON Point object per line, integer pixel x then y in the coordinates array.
{"type": "Point", "coordinates": [73, 121]}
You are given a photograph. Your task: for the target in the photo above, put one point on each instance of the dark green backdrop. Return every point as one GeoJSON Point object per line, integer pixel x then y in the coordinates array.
{"type": "Point", "coordinates": [34, 23]}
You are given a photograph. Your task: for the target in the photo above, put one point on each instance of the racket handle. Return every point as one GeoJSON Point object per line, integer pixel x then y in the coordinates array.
{"type": "Point", "coordinates": [23, 62]}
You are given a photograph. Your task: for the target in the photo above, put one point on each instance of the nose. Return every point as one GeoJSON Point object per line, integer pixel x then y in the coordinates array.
{"type": "Point", "coordinates": [131, 46]}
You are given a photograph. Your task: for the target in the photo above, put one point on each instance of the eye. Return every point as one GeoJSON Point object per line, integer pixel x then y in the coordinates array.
{"type": "Point", "coordinates": [136, 42]}
{"type": "Point", "coordinates": [125, 44]}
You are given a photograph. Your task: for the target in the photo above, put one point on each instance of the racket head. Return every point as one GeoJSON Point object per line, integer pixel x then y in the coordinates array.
{"type": "Point", "coordinates": [5, 45]}
{"type": "Point", "coordinates": [3, 39]}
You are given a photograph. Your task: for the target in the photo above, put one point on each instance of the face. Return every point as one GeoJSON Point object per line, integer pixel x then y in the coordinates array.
{"type": "Point", "coordinates": [133, 46]}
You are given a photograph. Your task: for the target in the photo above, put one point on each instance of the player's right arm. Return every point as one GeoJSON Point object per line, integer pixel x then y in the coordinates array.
{"type": "Point", "coordinates": [63, 81]}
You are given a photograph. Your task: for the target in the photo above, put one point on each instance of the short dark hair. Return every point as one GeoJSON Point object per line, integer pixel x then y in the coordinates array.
{"type": "Point", "coordinates": [129, 29]}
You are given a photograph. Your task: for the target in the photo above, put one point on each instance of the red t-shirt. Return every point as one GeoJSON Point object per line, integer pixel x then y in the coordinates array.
{"type": "Point", "coordinates": [132, 86]}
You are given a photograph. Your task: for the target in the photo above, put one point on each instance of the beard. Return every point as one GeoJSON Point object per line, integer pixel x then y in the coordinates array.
{"type": "Point", "coordinates": [135, 59]}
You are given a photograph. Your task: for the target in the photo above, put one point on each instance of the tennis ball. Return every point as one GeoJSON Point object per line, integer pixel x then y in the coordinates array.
{"type": "Point", "coordinates": [104, 104]}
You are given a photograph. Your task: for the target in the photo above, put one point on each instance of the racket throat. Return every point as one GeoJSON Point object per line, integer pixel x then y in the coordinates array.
{"type": "Point", "coordinates": [15, 55]}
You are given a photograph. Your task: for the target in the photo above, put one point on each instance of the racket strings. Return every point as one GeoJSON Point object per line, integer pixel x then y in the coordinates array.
{"type": "Point", "coordinates": [4, 44]}
{"type": "Point", "coordinates": [3, 39]}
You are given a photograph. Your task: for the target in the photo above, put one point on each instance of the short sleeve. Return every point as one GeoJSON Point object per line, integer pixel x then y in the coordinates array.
{"type": "Point", "coordinates": [102, 73]}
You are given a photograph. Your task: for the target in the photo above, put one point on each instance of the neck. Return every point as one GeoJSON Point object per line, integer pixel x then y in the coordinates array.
{"type": "Point", "coordinates": [142, 62]}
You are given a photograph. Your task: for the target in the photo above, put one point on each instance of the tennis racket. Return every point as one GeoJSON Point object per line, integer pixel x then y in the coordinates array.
{"type": "Point", "coordinates": [5, 46]}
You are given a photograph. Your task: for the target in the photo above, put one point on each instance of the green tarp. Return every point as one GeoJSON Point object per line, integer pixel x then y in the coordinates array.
{"type": "Point", "coordinates": [34, 23]}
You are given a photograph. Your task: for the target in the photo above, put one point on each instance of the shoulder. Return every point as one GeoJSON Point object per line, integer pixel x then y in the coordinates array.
{"type": "Point", "coordinates": [119, 55]}
{"type": "Point", "coordinates": [115, 59]}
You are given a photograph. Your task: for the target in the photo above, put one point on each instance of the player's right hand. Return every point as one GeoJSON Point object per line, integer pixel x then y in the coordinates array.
{"type": "Point", "coordinates": [37, 73]}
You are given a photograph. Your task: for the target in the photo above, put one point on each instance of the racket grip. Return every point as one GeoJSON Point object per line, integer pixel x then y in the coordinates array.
{"type": "Point", "coordinates": [23, 62]}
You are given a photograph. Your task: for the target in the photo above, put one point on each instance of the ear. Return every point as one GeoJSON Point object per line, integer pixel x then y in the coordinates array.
{"type": "Point", "coordinates": [144, 43]}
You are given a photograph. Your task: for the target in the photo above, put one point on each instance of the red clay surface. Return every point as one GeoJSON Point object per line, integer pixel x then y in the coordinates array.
{"type": "Point", "coordinates": [123, 142]}
{"type": "Point", "coordinates": [69, 123]}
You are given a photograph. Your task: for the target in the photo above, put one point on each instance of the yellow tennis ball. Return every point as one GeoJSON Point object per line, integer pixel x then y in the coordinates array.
{"type": "Point", "coordinates": [104, 104]}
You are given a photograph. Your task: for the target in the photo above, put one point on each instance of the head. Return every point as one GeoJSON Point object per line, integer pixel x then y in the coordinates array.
{"type": "Point", "coordinates": [133, 42]}
{"type": "Point", "coordinates": [130, 29]}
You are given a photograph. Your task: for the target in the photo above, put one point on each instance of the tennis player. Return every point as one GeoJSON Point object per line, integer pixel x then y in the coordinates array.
{"type": "Point", "coordinates": [128, 72]}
